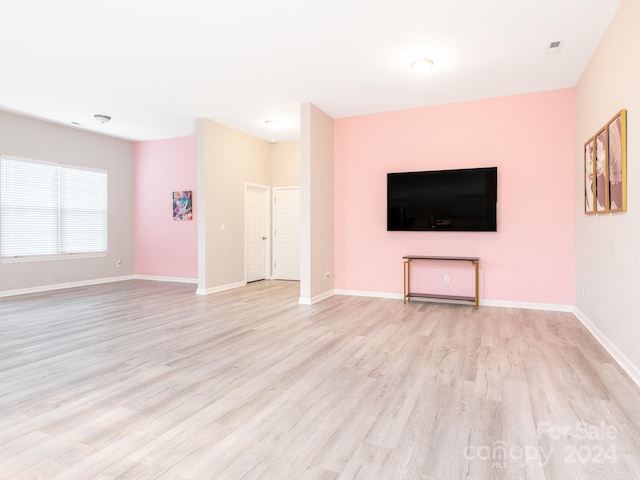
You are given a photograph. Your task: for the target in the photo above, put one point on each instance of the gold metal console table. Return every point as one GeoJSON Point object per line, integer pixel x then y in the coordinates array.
{"type": "Point", "coordinates": [408, 294]}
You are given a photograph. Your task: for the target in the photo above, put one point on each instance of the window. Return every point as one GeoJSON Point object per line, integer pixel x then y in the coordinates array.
{"type": "Point", "coordinates": [50, 209]}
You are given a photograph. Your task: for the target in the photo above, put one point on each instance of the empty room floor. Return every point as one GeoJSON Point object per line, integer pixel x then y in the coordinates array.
{"type": "Point", "coordinates": [145, 380]}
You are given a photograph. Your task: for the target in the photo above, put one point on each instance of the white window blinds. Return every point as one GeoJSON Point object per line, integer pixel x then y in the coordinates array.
{"type": "Point", "coordinates": [51, 209]}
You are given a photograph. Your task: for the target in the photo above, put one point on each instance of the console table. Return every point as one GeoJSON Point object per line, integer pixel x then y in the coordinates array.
{"type": "Point", "coordinates": [408, 294]}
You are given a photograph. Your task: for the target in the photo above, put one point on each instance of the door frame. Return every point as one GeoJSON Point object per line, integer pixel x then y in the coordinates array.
{"type": "Point", "coordinates": [267, 222]}
{"type": "Point", "coordinates": [273, 223]}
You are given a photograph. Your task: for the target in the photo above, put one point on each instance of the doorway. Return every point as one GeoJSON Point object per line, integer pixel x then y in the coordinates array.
{"type": "Point", "coordinates": [286, 233]}
{"type": "Point", "coordinates": [257, 220]}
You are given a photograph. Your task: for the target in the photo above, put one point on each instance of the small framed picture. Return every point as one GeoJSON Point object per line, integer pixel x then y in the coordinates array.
{"type": "Point", "coordinates": [182, 206]}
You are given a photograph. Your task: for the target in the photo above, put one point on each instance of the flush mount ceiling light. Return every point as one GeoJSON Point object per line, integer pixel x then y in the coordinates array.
{"type": "Point", "coordinates": [422, 65]}
{"type": "Point", "coordinates": [102, 118]}
{"type": "Point", "coordinates": [271, 123]}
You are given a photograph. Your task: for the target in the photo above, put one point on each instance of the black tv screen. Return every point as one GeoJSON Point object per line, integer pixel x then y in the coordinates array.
{"type": "Point", "coordinates": [461, 200]}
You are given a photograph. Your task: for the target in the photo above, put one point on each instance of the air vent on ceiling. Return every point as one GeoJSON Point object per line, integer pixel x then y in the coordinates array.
{"type": "Point", "coordinates": [554, 47]}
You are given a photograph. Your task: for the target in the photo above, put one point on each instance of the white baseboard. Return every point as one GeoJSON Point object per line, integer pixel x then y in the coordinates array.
{"type": "Point", "coordinates": [549, 307]}
{"type": "Point", "coordinates": [61, 286]}
{"type": "Point", "coordinates": [485, 303]}
{"type": "Point", "coordinates": [221, 288]}
{"type": "Point", "coordinates": [166, 279]}
{"type": "Point", "coordinates": [364, 293]}
{"type": "Point", "coordinates": [317, 298]}
{"type": "Point", "coordinates": [627, 365]}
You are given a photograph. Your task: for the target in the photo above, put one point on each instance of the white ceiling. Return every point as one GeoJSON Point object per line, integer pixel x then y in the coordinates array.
{"type": "Point", "coordinates": [156, 66]}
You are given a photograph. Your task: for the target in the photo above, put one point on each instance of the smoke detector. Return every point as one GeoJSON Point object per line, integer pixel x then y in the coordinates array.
{"type": "Point", "coordinates": [554, 47]}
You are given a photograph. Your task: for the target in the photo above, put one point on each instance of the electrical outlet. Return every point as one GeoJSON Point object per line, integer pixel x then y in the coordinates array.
{"type": "Point", "coordinates": [447, 279]}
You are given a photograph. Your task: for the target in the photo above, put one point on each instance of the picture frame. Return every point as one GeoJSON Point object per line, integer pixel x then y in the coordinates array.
{"type": "Point", "coordinates": [617, 163]}
{"type": "Point", "coordinates": [589, 176]}
{"type": "Point", "coordinates": [182, 205]}
{"type": "Point", "coordinates": [605, 168]}
{"type": "Point", "coordinates": [601, 171]}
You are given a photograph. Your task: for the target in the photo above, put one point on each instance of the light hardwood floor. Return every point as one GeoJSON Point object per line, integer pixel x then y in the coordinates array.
{"type": "Point", "coordinates": [141, 380]}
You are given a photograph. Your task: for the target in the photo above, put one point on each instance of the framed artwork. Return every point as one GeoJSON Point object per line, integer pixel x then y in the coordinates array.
{"type": "Point", "coordinates": [601, 171]}
{"type": "Point", "coordinates": [589, 176]}
{"type": "Point", "coordinates": [617, 163]}
{"type": "Point", "coordinates": [605, 168]}
{"type": "Point", "coordinates": [182, 207]}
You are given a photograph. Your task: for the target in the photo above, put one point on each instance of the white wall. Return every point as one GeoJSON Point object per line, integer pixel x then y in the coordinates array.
{"type": "Point", "coordinates": [317, 192]}
{"type": "Point", "coordinates": [27, 137]}
{"type": "Point", "coordinates": [607, 247]}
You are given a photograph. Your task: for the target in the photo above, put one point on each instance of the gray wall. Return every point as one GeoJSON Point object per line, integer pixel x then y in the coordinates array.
{"type": "Point", "coordinates": [32, 138]}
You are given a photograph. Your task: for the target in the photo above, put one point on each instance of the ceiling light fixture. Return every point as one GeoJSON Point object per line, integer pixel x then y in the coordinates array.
{"type": "Point", "coordinates": [102, 118]}
{"type": "Point", "coordinates": [271, 123]}
{"type": "Point", "coordinates": [422, 65]}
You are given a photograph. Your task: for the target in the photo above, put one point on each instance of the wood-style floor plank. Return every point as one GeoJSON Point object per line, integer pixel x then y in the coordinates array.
{"type": "Point", "coordinates": [142, 380]}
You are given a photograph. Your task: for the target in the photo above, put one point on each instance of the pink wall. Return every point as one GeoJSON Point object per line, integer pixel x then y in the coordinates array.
{"type": "Point", "coordinates": [164, 247]}
{"type": "Point", "coordinates": [530, 138]}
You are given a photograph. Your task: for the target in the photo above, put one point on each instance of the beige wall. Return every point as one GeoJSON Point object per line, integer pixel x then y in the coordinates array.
{"type": "Point", "coordinates": [31, 138]}
{"type": "Point", "coordinates": [317, 219]}
{"type": "Point", "coordinates": [227, 160]}
{"type": "Point", "coordinates": [607, 247]}
{"type": "Point", "coordinates": [284, 160]}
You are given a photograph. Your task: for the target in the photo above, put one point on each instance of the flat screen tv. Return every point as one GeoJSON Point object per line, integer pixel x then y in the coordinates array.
{"type": "Point", "coordinates": [462, 200]}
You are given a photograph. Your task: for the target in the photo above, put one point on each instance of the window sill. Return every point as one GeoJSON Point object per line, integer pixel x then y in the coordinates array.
{"type": "Point", "coordinates": [47, 258]}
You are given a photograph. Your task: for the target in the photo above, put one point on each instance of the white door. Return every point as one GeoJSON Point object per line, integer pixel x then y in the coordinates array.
{"type": "Point", "coordinates": [256, 222]}
{"type": "Point", "coordinates": [286, 233]}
